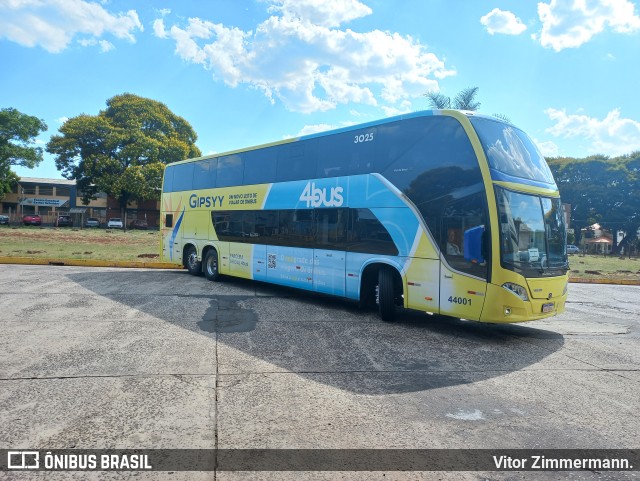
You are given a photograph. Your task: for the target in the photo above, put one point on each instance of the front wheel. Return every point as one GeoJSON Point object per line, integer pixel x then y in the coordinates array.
{"type": "Point", "coordinates": [386, 295]}
{"type": "Point", "coordinates": [211, 271]}
{"type": "Point", "coordinates": [191, 261]}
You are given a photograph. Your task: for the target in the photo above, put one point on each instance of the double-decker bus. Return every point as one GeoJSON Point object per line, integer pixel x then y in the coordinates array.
{"type": "Point", "coordinates": [444, 211]}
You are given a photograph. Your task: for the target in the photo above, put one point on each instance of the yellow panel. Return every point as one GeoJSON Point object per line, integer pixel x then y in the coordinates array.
{"type": "Point", "coordinates": [504, 306]}
{"type": "Point", "coordinates": [421, 284]}
{"type": "Point", "coordinates": [241, 260]}
{"type": "Point", "coordinates": [461, 296]}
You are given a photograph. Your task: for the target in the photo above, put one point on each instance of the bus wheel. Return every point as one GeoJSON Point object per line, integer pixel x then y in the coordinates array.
{"type": "Point", "coordinates": [386, 295]}
{"type": "Point", "coordinates": [191, 261]}
{"type": "Point", "coordinates": [211, 266]}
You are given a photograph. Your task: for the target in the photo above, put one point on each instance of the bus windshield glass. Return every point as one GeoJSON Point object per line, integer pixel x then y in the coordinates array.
{"type": "Point", "coordinates": [510, 151]}
{"type": "Point", "coordinates": [532, 233]}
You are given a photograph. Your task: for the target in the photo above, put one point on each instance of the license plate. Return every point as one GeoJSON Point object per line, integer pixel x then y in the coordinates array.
{"type": "Point", "coordinates": [548, 307]}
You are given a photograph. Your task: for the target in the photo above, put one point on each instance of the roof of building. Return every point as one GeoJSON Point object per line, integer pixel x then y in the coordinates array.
{"type": "Point", "coordinates": [39, 180]}
{"type": "Point", "coordinates": [599, 240]}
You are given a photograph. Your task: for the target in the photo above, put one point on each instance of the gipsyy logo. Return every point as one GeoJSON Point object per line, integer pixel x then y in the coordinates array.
{"type": "Point", "coordinates": [316, 197]}
{"type": "Point", "coordinates": [23, 459]}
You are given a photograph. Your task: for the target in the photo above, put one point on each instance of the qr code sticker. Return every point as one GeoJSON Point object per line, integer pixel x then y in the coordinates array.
{"type": "Point", "coordinates": [271, 261]}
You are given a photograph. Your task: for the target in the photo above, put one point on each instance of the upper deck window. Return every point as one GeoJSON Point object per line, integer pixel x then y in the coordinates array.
{"type": "Point", "coordinates": [510, 151]}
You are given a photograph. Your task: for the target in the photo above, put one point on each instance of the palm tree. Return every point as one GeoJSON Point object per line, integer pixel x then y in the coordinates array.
{"type": "Point", "coordinates": [465, 100]}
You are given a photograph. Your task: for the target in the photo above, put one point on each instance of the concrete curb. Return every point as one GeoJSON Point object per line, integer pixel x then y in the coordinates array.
{"type": "Point", "coordinates": [86, 263]}
{"type": "Point", "coordinates": [618, 282]}
{"type": "Point", "coordinates": [166, 265]}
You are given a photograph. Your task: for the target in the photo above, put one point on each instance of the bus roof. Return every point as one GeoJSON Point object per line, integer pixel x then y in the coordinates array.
{"type": "Point", "coordinates": [374, 123]}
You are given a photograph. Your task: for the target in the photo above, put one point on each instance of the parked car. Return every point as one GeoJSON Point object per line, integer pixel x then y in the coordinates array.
{"type": "Point", "coordinates": [32, 219]}
{"type": "Point", "coordinates": [115, 223]}
{"type": "Point", "coordinates": [92, 222]}
{"type": "Point", "coordinates": [64, 221]}
{"type": "Point", "coordinates": [571, 249]}
{"type": "Point", "coordinates": [4, 220]}
{"type": "Point", "coordinates": [139, 224]}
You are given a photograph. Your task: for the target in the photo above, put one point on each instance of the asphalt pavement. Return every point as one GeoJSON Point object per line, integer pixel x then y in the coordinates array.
{"type": "Point", "coordinates": [94, 358]}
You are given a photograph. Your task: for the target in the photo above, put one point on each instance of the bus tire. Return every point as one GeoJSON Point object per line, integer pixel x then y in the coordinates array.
{"type": "Point", "coordinates": [191, 262]}
{"type": "Point", "coordinates": [386, 295]}
{"type": "Point", "coordinates": [211, 271]}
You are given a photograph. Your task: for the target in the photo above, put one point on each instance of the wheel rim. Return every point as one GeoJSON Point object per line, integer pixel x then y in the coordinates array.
{"type": "Point", "coordinates": [192, 260]}
{"type": "Point", "coordinates": [212, 265]}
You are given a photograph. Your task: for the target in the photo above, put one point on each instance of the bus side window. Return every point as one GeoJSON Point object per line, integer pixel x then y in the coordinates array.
{"type": "Point", "coordinates": [457, 217]}
{"type": "Point", "coordinates": [168, 220]}
{"type": "Point", "coordinates": [230, 171]}
{"type": "Point", "coordinates": [183, 177]}
{"type": "Point", "coordinates": [168, 179]}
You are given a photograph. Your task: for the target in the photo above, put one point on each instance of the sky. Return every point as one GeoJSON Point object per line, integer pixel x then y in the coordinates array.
{"type": "Point", "coordinates": [247, 72]}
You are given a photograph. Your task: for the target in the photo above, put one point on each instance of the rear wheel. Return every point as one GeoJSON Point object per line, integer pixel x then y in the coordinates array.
{"type": "Point", "coordinates": [191, 261]}
{"type": "Point", "coordinates": [211, 266]}
{"type": "Point", "coordinates": [386, 295]}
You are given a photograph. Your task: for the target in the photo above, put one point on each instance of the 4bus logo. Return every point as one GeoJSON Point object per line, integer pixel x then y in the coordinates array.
{"type": "Point", "coordinates": [316, 197]}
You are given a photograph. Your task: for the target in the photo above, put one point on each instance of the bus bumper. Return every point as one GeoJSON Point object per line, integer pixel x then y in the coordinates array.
{"type": "Point", "coordinates": [503, 306]}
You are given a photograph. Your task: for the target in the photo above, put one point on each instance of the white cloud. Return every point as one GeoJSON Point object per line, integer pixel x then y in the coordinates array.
{"type": "Point", "coordinates": [314, 129]}
{"type": "Point", "coordinates": [158, 28]}
{"type": "Point", "coordinates": [548, 148]}
{"type": "Point", "coordinates": [105, 46]}
{"type": "Point", "coordinates": [612, 135]}
{"type": "Point", "coordinates": [571, 23]}
{"type": "Point", "coordinates": [328, 13]}
{"type": "Point", "coordinates": [52, 24]}
{"type": "Point", "coordinates": [505, 22]}
{"type": "Point", "coordinates": [62, 120]}
{"type": "Point", "coordinates": [296, 56]}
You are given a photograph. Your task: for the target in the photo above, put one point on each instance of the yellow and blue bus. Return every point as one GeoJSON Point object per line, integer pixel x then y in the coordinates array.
{"type": "Point", "coordinates": [443, 211]}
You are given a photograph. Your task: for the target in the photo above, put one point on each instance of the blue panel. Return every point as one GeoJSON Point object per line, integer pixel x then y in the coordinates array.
{"type": "Point", "coordinates": [303, 194]}
{"type": "Point", "coordinates": [356, 191]}
{"type": "Point", "coordinates": [328, 272]}
{"type": "Point", "coordinates": [402, 226]}
{"type": "Point", "coordinates": [290, 266]}
{"type": "Point", "coordinates": [259, 259]}
{"type": "Point", "coordinates": [354, 263]}
{"type": "Point", "coordinates": [369, 191]}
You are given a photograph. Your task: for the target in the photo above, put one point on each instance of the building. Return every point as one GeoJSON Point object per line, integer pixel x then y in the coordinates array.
{"type": "Point", "coordinates": [596, 240]}
{"type": "Point", "coordinates": [50, 198]}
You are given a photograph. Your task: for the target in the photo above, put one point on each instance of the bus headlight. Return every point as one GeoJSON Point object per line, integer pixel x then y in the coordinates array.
{"type": "Point", "coordinates": [518, 290]}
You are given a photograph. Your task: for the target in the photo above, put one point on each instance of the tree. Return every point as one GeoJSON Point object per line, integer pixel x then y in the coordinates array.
{"type": "Point", "coordinates": [465, 100]}
{"type": "Point", "coordinates": [17, 136]}
{"type": "Point", "coordinates": [603, 190]}
{"type": "Point", "coordinates": [122, 151]}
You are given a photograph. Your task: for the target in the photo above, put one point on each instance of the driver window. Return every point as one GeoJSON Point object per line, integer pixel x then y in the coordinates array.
{"type": "Point", "coordinates": [459, 216]}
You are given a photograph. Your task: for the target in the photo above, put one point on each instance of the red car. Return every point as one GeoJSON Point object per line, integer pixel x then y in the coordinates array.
{"type": "Point", "coordinates": [32, 219]}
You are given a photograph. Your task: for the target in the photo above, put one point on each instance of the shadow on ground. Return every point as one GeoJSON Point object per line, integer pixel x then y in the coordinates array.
{"type": "Point", "coordinates": [257, 327]}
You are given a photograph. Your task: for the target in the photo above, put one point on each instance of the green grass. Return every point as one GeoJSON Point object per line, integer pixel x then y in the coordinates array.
{"type": "Point", "coordinates": [71, 243]}
{"type": "Point", "coordinates": [601, 267]}
{"type": "Point", "coordinates": [137, 245]}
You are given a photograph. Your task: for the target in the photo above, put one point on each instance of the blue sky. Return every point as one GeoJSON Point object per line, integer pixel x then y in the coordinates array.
{"type": "Point", "coordinates": [249, 72]}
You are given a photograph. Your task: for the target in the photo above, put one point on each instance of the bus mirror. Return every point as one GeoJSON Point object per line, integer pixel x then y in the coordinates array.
{"type": "Point", "coordinates": [473, 244]}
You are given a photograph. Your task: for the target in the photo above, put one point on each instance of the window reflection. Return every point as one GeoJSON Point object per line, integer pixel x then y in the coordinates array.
{"type": "Point", "coordinates": [511, 151]}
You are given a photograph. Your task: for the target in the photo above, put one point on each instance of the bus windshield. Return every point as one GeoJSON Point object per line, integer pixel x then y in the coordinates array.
{"type": "Point", "coordinates": [510, 151]}
{"type": "Point", "coordinates": [532, 234]}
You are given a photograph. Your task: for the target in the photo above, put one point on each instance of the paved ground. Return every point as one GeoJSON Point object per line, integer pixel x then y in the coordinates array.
{"type": "Point", "coordinates": [116, 358]}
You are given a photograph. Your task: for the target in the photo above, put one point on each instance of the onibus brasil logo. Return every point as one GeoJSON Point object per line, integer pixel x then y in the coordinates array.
{"type": "Point", "coordinates": [316, 197]}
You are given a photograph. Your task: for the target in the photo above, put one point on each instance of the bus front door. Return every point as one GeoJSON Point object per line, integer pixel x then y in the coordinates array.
{"type": "Point", "coordinates": [460, 295]}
